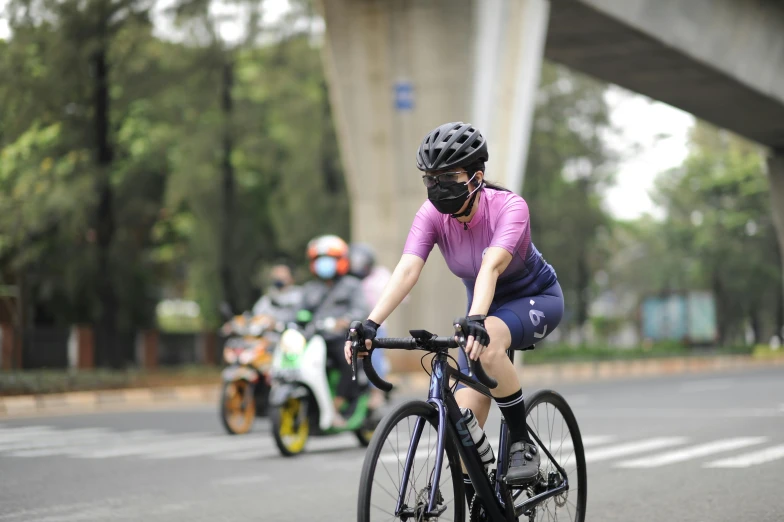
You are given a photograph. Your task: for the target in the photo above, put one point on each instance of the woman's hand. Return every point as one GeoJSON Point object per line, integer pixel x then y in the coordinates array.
{"type": "Point", "coordinates": [477, 337]}
{"type": "Point", "coordinates": [366, 331]}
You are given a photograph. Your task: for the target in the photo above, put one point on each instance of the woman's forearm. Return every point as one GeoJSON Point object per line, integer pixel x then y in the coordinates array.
{"type": "Point", "coordinates": [403, 279]}
{"type": "Point", "coordinates": [484, 290]}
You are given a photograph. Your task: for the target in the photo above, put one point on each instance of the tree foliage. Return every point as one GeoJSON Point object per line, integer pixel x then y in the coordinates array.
{"type": "Point", "coordinates": [113, 146]}
{"type": "Point", "coordinates": [569, 166]}
{"type": "Point", "coordinates": [717, 235]}
{"type": "Point", "coordinates": [719, 224]}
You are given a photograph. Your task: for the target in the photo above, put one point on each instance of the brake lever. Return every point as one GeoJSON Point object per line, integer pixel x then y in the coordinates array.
{"type": "Point", "coordinates": [354, 348]}
{"type": "Point", "coordinates": [461, 341]}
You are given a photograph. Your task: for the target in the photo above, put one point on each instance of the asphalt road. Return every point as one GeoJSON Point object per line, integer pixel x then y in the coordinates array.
{"type": "Point", "coordinates": [688, 448]}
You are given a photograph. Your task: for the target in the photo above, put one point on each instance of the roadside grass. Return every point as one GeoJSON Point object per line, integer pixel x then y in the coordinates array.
{"type": "Point", "coordinates": [59, 381]}
{"type": "Point", "coordinates": [549, 353]}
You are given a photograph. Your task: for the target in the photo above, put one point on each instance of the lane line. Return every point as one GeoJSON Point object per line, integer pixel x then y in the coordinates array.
{"type": "Point", "coordinates": [168, 444]}
{"type": "Point", "coordinates": [746, 460]}
{"type": "Point", "coordinates": [240, 481]}
{"type": "Point", "coordinates": [313, 448]}
{"type": "Point", "coordinates": [62, 438]}
{"type": "Point", "coordinates": [692, 452]}
{"type": "Point", "coordinates": [15, 434]}
{"type": "Point", "coordinates": [82, 445]}
{"type": "Point", "coordinates": [630, 448]}
{"type": "Point", "coordinates": [706, 385]}
{"type": "Point", "coordinates": [213, 446]}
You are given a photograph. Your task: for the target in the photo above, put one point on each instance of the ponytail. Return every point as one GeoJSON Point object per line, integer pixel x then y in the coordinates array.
{"type": "Point", "coordinates": [480, 165]}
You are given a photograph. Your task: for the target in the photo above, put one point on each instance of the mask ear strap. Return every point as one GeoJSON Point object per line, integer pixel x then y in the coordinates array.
{"type": "Point", "coordinates": [467, 211]}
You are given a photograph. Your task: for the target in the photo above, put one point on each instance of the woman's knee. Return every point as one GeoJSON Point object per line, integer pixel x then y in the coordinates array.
{"type": "Point", "coordinates": [500, 340]}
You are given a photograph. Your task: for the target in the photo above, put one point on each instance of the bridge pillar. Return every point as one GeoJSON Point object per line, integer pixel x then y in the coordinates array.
{"type": "Point", "coordinates": [398, 68]}
{"type": "Point", "coordinates": [776, 179]}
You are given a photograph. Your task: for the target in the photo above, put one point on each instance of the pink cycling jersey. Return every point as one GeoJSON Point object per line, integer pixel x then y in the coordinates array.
{"type": "Point", "coordinates": [502, 220]}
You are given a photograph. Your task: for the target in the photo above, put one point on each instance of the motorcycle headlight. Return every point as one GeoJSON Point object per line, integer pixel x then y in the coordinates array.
{"type": "Point", "coordinates": [229, 355]}
{"type": "Point", "coordinates": [255, 329]}
{"type": "Point", "coordinates": [246, 356]}
{"type": "Point", "coordinates": [292, 343]}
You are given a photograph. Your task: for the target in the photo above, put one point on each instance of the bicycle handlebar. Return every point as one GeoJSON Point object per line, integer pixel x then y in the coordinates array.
{"type": "Point", "coordinates": [420, 340]}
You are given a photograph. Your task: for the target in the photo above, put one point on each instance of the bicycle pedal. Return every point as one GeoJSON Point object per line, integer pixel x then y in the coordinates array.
{"type": "Point", "coordinates": [519, 484]}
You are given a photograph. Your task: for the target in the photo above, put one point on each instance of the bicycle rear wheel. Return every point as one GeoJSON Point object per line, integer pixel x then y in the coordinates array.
{"type": "Point", "coordinates": [552, 420]}
{"type": "Point", "coordinates": [384, 468]}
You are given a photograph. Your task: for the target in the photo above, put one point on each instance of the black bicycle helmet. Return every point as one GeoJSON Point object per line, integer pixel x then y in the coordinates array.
{"type": "Point", "coordinates": [362, 259]}
{"type": "Point", "coordinates": [455, 144]}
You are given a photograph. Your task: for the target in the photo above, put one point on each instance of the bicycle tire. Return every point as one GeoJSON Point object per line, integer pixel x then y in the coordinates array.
{"type": "Point", "coordinates": [408, 409]}
{"type": "Point", "coordinates": [559, 403]}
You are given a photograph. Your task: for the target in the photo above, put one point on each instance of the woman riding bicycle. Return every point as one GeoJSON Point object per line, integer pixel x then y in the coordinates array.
{"type": "Point", "coordinates": [484, 234]}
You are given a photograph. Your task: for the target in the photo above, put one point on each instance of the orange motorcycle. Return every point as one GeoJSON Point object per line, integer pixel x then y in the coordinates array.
{"type": "Point", "coordinates": [248, 354]}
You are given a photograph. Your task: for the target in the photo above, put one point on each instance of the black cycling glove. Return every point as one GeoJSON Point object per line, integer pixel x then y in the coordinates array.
{"type": "Point", "coordinates": [475, 326]}
{"type": "Point", "coordinates": [366, 331]}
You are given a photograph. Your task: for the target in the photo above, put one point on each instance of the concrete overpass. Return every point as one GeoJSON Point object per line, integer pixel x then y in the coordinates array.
{"type": "Point", "coordinates": [721, 60]}
{"type": "Point", "coordinates": [399, 67]}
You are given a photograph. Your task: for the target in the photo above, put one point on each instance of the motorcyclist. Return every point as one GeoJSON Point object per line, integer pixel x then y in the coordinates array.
{"type": "Point", "coordinates": [374, 278]}
{"type": "Point", "coordinates": [335, 294]}
{"type": "Point", "coordinates": [283, 298]}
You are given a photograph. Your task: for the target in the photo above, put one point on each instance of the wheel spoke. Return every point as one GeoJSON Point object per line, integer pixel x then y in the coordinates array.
{"type": "Point", "coordinates": [383, 504]}
{"type": "Point", "coordinates": [384, 511]}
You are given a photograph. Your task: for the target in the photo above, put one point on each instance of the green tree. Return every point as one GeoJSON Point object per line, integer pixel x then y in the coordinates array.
{"type": "Point", "coordinates": [719, 225]}
{"type": "Point", "coordinates": [80, 124]}
{"type": "Point", "coordinates": [269, 134]}
{"type": "Point", "coordinates": [568, 167]}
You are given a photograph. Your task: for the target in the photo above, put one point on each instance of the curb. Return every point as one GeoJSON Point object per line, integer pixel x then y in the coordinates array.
{"type": "Point", "coordinates": [87, 401]}
{"type": "Point", "coordinates": [582, 372]}
{"type": "Point", "coordinates": [533, 375]}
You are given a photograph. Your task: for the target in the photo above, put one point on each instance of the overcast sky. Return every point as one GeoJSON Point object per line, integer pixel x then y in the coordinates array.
{"type": "Point", "coordinates": [659, 131]}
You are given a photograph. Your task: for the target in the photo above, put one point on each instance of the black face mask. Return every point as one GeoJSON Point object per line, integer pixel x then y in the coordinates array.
{"type": "Point", "coordinates": [278, 283]}
{"type": "Point", "coordinates": [449, 196]}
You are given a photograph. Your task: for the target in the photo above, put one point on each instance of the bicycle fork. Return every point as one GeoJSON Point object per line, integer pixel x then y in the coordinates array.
{"type": "Point", "coordinates": [431, 509]}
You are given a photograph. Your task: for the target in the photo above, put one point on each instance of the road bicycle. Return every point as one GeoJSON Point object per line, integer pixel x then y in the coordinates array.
{"type": "Point", "coordinates": [558, 493]}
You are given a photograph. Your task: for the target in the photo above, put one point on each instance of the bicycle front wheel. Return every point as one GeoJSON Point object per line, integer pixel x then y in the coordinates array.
{"type": "Point", "coordinates": [552, 420]}
{"type": "Point", "coordinates": [383, 474]}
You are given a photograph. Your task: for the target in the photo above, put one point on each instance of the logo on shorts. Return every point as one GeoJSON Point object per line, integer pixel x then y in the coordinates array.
{"type": "Point", "coordinates": [536, 317]}
{"type": "Point", "coordinates": [484, 252]}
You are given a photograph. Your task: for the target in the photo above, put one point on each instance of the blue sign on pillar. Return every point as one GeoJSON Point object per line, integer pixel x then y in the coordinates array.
{"type": "Point", "coordinates": [404, 96]}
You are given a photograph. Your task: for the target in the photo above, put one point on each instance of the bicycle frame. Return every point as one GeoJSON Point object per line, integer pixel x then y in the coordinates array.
{"type": "Point", "coordinates": [450, 418]}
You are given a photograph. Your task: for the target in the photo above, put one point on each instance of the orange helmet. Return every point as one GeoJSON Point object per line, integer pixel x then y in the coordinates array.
{"type": "Point", "coordinates": [331, 246]}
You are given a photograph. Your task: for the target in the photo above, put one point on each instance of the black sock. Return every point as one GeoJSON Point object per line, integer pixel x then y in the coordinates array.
{"type": "Point", "coordinates": [513, 410]}
{"type": "Point", "coordinates": [469, 489]}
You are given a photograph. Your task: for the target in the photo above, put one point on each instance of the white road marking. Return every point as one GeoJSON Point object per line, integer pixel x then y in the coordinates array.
{"type": "Point", "coordinates": [705, 385]}
{"type": "Point", "coordinates": [16, 434]}
{"type": "Point", "coordinates": [630, 448]}
{"type": "Point", "coordinates": [588, 440]}
{"type": "Point", "coordinates": [58, 438]}
{"type": "Point", "coordinates": [692, 452]}
{"type": "Point", "coordinates": [239, 481]}
{"type": "Point", "coordinates": [313, 446]}
{"type": "Point", "coordinates": [746, 460]}
{"type": "Point", "coordinates": [419, 455]}
{"type": "Point", "coordinates": [214, 445]}
{"type": "Point", "coordinates": [678, 413]}
{"type": "Point", "coordinates": [170, 443]}
{"type": "Point", "coordinates": [249, 454]}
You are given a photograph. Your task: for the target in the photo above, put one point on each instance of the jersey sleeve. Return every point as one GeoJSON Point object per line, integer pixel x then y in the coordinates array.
{"type": "Point", "coordinates": [423, 234]}
{"type": "Point", "coordinates": [513, 230]}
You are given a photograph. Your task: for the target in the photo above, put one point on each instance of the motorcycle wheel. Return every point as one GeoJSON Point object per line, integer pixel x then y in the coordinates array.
{"type": "Point", "coordinates": [365, 432]}
{"type": "Point", "coordinates": [238, 407]}
{"type": "Point", "coordinates": [262, 398]}
{"type": "Point", "coordinates": [363, 436]}
{"type": "Point", "coordinates": [290, 427]}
